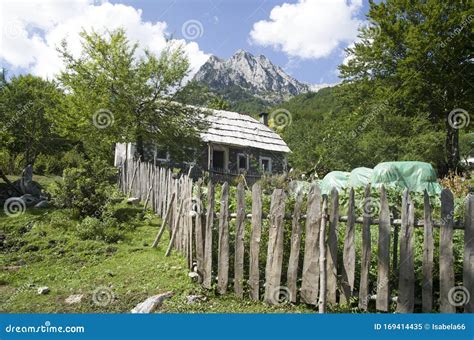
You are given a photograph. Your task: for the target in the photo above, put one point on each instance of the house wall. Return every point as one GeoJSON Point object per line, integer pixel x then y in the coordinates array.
{"type": "Point", "coordinates": [201, 161]}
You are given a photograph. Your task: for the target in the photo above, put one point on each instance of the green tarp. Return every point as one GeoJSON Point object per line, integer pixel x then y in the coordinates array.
{"type": "Point", "coordinates": [415, 176]}
{"type": "Point", "coordinates": [360, 177]}
{"type": "Point", "coordinates": [334, 179]}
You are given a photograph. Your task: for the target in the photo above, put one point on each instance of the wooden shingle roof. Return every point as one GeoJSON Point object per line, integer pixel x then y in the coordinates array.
{"type": "Point", "coordinates": [232, 128]}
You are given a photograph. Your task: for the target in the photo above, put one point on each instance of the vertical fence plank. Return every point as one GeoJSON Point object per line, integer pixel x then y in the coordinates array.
{"type": "Point", "coordinates": [366, 250]}
{"type": "Point", "coordinates": [322, 257]}
{"type": "Point", "coordinates": [428, 248]}
{"type": "Point", "coordinates": [165, 220]}
{"type": "Point", "coordinates": [295, 247]}
{"type": "Point", "coordinates": [223, 252]}
{"type": "Point", "coordinates": [310, 279]}
{"type": "Point", "coordinates": [332, 248]}
{"type": "Point", "coordinates": [198, 230]}
{"type": "Point", "coordinates": [383, 254]}
{"type": "Point", "coordinates": [348, 258]}
{"type": "Point", "coordinates": [406, 274]}
{"type": "Point", "coordinates": [254, 271]}
{"type": "Point", "coordinates": [207, 259]}
{"type": "Point", "coordinates": [190, 222]}
{"type": "Point", "coordinates": [275, 247]}
{"type": "Point", "coordinates": [446, 259]}
{"type": "Point", "coordinates": [239, 242]}
{"type": "Point", "coordinates": [468, 268]}
{"type": "Point", "coordinates": [175, 230]}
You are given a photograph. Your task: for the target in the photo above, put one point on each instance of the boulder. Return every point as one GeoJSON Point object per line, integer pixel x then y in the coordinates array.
{"type": "Point", "coordinates": [151, 304]}
{"type": "Point", "coordinates": [75, 298]}
{"type": "Point", "coordinates": [43, 290]}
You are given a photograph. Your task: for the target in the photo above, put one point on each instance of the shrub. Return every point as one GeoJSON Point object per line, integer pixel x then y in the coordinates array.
{"type": "Point", "coordinates": [47, 164]}
{"type": "Point", "coordinates": [86, 189]}
{"type": "Point", "coordinates": [107, 230]}
{"type": "Point", "coordinates": [458, 185]}
{"type": "Point", "coordinates": [72, 159]}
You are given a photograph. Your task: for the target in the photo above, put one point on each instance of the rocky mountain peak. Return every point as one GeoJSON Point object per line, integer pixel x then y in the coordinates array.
{"type": "Point", "coordinates": [255, 75]}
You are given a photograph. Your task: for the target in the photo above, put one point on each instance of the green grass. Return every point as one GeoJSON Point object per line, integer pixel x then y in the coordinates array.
{"type": "Point", "coordinates": [41, 248]}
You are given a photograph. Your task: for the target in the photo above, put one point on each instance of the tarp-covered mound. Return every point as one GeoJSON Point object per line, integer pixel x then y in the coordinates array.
{"type": "Point", "coordinates": [415, 176]}
{"type": "Point", "coordinates": [334, 179]}
{"type": "Point", "coordinates": [360, 177]}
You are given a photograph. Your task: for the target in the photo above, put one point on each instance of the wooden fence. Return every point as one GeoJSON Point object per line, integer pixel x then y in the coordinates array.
{"type": "Point", "coordinates": [321, 275]}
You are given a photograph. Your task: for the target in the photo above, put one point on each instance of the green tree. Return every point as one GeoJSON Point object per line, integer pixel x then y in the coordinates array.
{"type": "Point", "coordinates": [218, 103]}
{"type": "Point", "coordinates": [416, 58]}
{"type": "Point", "coordinates": [26, 102]}
{"type": "Point", "coordinates": [119, 95]}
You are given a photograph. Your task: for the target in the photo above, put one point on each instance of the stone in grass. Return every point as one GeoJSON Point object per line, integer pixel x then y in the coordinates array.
{"type": "Point", "coordinates": [43, 290]}
{"type": "Point", "coordinates": [133, 201]}
{"type": "Point", "coordinates": [151, 304]}
{"type": "Point", "coordinates": [194, 276]}
{"type": "Point", "coordinates": [76, 298]}
{"type": "Point", "coordinates": [192, 299]}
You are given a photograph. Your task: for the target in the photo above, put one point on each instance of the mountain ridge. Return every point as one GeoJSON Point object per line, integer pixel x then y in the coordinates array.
{"type": "Point", "coordinates": [254, 76]}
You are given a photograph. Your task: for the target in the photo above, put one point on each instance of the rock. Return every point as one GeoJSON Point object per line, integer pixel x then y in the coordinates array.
{"type": "Point", "coordinates": [192, 299]}
{"type": "Point", "coordinates": [43, 290]}
{"type": "Point", "coordinates": [133, 201]}
{"type": "Point", "coordinates": [75, 298]}
{"type": "Point", "coordinates": [29, 200]}
{"type": "Point", "coordinates": [194, 276]}
{"type": "Point", "coordinates": [151, 304]}
{"type": "Point", "coordinates": [42, 204]}
{"type": "Point", "coordinates": [110, 273]}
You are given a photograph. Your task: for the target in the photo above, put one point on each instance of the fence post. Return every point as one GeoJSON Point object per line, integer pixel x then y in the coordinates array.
{"type": "Point", "coordinates": [406, 273]}
{"type": "Point", "coordinates": [366, 250]}
{"type": "Point", "coordinates": [239, 242]}
{"type": "Point", "coordinates": [310, 279]}
{"type": "Point", "coordinates": [383, 254]}
{"type": "Point", "coordinates": [254, 271]}
{"type": "Point", "coordinates": [207, 265]}
{"type": "Point", "coordinates": [348, 267]}
{"type": "Point", "coordinates": [468, 270]}
{"type": "Point", "coordinates": [322, 257]}
{"type": "Point", "coordinates": [428, 248]}
{"type": "Point", "coordinates": [223, 252]}
{"type": "Point", "coordinates": [275, 247]}
{"type": "Point", "coordinates": [295, 247]}
{"type": "Point", "coordinates": [446, 259]}
{"type": "Point", "coordinates": [332, 248]}
{"type": "Point", "coordinates": [198, 230]}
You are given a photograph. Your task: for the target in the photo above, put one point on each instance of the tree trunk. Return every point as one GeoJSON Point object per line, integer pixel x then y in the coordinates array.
{"type": "Point", "coordinates": [452, 147]}
{"type": "Point", "coordinates": [140, 147]}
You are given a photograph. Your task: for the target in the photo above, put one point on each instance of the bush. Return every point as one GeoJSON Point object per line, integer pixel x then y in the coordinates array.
{"type": "Point", "coordinates": [107, 230]}
{"type": "Point", "coordinates": [72, 159]}
{"type": "Point", "coordinates": [86, 189]}
{"type": "Point", "coordinates": [47, 164]}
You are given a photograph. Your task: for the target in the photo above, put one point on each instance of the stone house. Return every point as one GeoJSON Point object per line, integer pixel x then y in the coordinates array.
{"type": "Point", "coordinates": [234, 144]}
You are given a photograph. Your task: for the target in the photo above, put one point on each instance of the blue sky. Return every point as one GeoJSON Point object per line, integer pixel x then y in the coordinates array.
{"type": "Point", "coordinates": [305, 37]}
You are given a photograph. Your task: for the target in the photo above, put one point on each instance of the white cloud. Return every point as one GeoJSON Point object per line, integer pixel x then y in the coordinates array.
{"type": "Point", "coordinates": [309, 29]}
{"type": "Point", "coordinates": [32, 30]}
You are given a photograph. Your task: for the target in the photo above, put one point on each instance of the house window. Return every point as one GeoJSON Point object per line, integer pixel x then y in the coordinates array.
{"type": "Point", "coordinates": [218, 160]}
{"type": "Point", "coordinates": [266, 164]}
{"type": "Point", "coordinates": [242, 161]}
{"type": "Point", "coordinates": [162, 154]}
